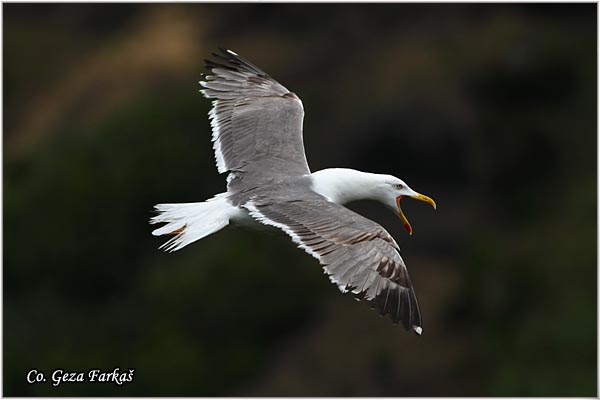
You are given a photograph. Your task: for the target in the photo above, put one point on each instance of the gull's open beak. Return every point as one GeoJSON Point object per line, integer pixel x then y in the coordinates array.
{"type": "Point", "coordinates": [417, 196]}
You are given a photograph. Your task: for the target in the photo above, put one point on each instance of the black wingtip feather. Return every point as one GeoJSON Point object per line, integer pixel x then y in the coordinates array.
{"type": "Point", "coordinates": [226, 59]}
{"type": "Point", "coordinates": [400, 304]}
{"type": "Point", "coordinates": [233, 62]}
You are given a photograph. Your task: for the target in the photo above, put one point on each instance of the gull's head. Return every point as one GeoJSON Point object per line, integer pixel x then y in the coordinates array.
{"type": "Point", "coordinates": [393, 189]}
{"type": "Point", "coordinates": [342, 185]}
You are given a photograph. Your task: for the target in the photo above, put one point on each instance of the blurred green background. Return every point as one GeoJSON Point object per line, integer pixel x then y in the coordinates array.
{"type": "Point", "coordinates": [490, 109]}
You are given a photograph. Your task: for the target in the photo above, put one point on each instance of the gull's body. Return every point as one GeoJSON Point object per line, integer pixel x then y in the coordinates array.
{"type": "Point", "coordinates": [257, 136]}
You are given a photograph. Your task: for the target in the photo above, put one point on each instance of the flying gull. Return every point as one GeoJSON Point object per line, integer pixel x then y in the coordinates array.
{"type": "Point", "coordinates": [257, 137]}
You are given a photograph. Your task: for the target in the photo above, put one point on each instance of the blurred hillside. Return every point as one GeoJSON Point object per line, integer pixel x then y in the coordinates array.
{"type": "Point", "coordinates": [489, 109]}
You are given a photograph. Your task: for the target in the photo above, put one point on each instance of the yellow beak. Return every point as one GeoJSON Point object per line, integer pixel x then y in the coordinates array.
{"type": "Point", "coordinates": [418, 196]}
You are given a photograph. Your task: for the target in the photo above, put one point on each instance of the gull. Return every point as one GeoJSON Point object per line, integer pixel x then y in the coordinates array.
{"type": "Point", "coordinates": [257, 139]}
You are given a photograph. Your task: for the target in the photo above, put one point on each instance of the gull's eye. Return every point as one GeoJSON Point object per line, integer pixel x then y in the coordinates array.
{"type": "Point", "coordinates": [399, 186]}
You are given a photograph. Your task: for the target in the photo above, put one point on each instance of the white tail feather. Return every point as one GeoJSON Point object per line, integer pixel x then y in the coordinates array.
{"type": "Point", "coordinates": [189, 222]}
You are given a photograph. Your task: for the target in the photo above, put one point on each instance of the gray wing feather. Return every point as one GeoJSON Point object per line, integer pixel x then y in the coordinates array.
{"type": "Point", "coordinates": [256, 122]}
{"type": "Point", "coordinates": [358, 255]}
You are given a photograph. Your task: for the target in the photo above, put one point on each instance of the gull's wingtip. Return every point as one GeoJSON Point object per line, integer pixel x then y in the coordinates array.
{"type": "Point", "coordinates": [225, 50]}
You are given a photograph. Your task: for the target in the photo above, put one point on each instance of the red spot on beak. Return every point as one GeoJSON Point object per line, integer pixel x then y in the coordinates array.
{"type": "Point", "coordinates": [402, 216]}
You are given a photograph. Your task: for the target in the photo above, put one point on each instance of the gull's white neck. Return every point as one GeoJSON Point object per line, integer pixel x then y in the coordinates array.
{"type": "Point", "coordinates": [341, 185]}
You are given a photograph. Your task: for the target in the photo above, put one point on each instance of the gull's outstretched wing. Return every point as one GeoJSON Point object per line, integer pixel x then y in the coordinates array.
{"type": "Point", "coordinates": [358, 254]}
{"type": "Point", "coordinates": [256, 124]}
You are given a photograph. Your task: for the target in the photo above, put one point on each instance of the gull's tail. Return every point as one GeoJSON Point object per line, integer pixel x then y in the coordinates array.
{"type": "Point", "coordinates": [189, 222]}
